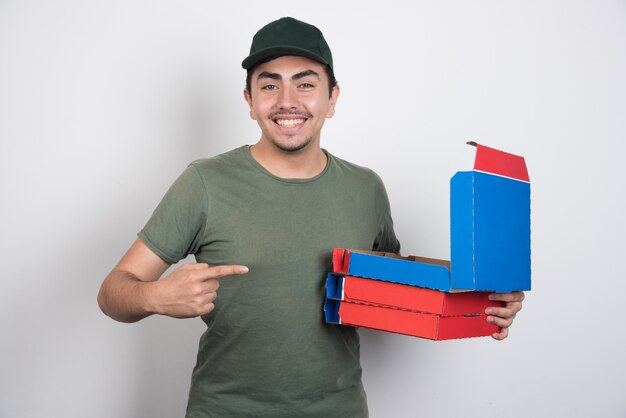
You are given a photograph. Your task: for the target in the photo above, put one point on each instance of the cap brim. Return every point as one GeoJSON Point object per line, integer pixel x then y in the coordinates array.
{"type": "Point", "coordinates": [279, 51]}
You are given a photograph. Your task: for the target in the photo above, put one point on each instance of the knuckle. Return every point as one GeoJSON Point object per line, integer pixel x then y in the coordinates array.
{"type": "Point", "coordinates": [219, 271]}
{"type": "Point", "coordinates": [197, 289]}
{"type": "Point", "coordinates": [497, 313]}
{"type": "Point", "coordinates": [196, 275]}
{"type": "Point", "coordinates": [203, 305]}
{"type": "Point", "coordinates": [213, 285]}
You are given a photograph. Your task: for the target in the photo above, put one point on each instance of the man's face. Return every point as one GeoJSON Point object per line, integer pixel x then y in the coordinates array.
{"type": "Point", "coordinates": [290, 101]}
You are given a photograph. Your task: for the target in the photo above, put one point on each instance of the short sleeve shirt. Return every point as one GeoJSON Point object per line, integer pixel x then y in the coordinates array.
{"type": "Point", "coordinates": [266, 351]}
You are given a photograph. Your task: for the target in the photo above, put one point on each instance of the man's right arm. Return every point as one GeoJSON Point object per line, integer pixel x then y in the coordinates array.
{"type": "Point", "coordinates": [132, 290]}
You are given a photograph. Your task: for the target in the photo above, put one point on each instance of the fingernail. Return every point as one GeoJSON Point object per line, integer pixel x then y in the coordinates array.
{"type": "Point", "coordinates": [244, 269]}
{"type": "Point", "coordinates": [492, 296]}
{"type": "Point", "coordinates": [488, 311]}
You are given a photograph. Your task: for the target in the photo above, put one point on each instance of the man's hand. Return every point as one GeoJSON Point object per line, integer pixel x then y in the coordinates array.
{"type": "Point", "coordinates": [133, 291]}
{"type": "Point", "coordinates": [503, 317]}
{"type": "Point", "coordinates": [189, 291]}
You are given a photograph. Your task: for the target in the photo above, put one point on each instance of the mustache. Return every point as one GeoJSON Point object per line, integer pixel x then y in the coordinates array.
{"type": "Point", "coordinates": [287, 112]}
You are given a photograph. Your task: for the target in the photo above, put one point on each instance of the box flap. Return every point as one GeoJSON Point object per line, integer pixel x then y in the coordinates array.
{"type": "Point", "coordinates": [334, 286]}
{"type": "Point", "coordinates": [491, 160]}
{"type": "Point", "coordinates": [331, 311]}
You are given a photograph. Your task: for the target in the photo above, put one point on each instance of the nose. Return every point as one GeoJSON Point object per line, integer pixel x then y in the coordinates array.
{"type": "Point", "coordinates": [287, 98]}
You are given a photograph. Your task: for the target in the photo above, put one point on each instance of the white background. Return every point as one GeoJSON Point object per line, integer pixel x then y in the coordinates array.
{"type": "Point", "coordinates": [103, 104]}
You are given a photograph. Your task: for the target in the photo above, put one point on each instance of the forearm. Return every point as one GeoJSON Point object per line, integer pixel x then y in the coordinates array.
{"type": "Point", "coordinates": [124, 297]}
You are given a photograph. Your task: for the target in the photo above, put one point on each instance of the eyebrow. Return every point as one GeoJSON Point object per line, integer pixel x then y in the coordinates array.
{"type": "Point", "coordinates": [297, 76]}
{"type": "Point", "coordinates": [304, 74]}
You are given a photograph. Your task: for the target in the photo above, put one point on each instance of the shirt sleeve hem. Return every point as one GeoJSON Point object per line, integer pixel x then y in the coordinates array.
{"type": "Point", "coordinates": [162, 254]}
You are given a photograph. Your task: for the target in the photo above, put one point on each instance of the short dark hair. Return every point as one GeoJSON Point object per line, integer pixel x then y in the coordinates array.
{"type": "Point", "coordinates": [332, 81]}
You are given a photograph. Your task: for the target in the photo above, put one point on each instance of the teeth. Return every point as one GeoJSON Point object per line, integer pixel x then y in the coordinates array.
{"type": "Point", "coordinates": [288, 123]}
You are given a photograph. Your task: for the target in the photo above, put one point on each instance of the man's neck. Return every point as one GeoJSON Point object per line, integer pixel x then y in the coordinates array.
{"type": "Point", "coordinates": [303, 164]}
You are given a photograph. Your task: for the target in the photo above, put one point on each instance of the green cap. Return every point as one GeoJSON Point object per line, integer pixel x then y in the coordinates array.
{"type": "Point", "coordinates": [288, 36]}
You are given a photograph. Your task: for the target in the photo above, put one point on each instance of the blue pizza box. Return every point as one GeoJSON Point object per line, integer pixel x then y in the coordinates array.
{"type": "Point", "coordinates": [489, 234]}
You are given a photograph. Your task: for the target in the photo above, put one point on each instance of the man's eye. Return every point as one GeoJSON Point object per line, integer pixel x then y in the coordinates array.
{"type": "Point", "coordinates": [306, 85]}
{"type": "Point", "coordinates": [269, 87]}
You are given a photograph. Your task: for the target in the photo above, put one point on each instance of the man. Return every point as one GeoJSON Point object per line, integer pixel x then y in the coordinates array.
{"type": "Point", "coordinates": [269, 213]}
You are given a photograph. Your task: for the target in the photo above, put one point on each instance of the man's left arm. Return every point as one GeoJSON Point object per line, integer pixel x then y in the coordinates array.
{"type": "Point", "coordinates": [503, 317]}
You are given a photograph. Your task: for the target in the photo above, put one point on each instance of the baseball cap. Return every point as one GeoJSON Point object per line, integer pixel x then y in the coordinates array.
{"type": "Point", "coordinates": [288, 36]}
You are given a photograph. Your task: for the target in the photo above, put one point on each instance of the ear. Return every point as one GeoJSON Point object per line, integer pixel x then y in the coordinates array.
{"type": "Point", "coordinates": [248, 98]}
{"type": "Point", "coordinates": [332, 102]}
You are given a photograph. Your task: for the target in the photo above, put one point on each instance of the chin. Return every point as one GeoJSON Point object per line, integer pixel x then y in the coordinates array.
{"type": "Point", "coordinates": [292, 146]}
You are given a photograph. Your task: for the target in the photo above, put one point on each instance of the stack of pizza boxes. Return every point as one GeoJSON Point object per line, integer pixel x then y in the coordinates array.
{"type": "Point", "coordinates": [441, 299]}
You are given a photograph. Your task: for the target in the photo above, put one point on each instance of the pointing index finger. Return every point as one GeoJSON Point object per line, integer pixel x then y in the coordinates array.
{"type": "Point", "coordinates": [226, 270]}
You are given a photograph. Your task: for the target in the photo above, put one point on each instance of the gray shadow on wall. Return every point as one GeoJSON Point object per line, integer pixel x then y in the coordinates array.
{"type": "Point", "coordinates": [168, 347]}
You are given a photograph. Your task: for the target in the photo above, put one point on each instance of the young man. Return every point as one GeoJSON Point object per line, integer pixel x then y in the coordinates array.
{"type": "Point", "coordinates": [270, 214]}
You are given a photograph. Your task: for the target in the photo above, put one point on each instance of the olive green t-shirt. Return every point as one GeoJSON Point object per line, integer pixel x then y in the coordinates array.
{"type": "Point", "coordinates": [266, 351]}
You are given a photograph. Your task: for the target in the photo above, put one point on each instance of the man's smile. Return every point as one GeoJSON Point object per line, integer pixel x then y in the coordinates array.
{"type": "Point", "coordinates": [289, 123]}
{"type": "Point", "coordinates": [287, 119]}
